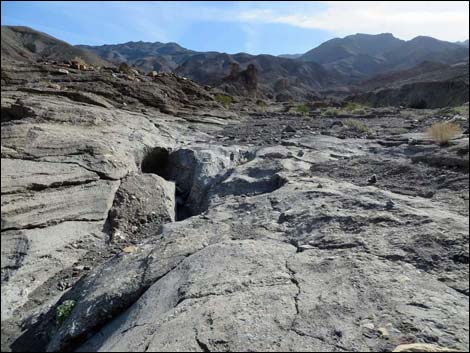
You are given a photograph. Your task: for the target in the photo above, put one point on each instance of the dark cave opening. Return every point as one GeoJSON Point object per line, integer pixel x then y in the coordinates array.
{"type": "Point", "coordinates": [157, 162]}
{"type": "Point", "coordinates": [165, 164]}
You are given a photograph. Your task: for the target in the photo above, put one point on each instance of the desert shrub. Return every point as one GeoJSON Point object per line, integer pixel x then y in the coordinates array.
{"type": "Point", "coordinates": [451, 111]}
{"type": "Point", "coordinates": [413, 114]}
{"type": "Point", "coordinates": [64, 310]}
{"type": "Point", "coordinates": [125, 68]}
{"type": "Point", "coordinates": [352, 107]}
{"type": "Point", "coordinates": [356, 125]}
{"type": "Point", "coordinates": [224, 99]}
{"type": "Point", "coordinates": [302, 109]}
{"type": "Point", "coordinates": [330, 112]}
{"type": "Point", "coordinates": [442, 133]}
{"type": "Point", "coordinates": [261, 104]}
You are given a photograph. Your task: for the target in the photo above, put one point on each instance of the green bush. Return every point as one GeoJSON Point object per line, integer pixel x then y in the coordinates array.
{"type": "Point", "coordinates": [356, 125]}
{"type": "Point", "coordinates": [354, 108]}
{"type": "Point", "coordinates": [303, 109]}
{"type": "Point", "coordinates": [262, 104]}
{"type": "Point", "coordinates": [330, 112]}
{"type": "Point", "coordinates": [64, 310]}
{"type": "Point", "coordinates": [224, 99]}
{"type": "Point", "coordinates": [451, 111]}
{"type": "Point", "coordinates": [350, 106]}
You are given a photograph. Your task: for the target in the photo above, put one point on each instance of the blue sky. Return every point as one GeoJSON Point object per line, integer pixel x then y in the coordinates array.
{"type": "Point", "coordinates": [237, 26]}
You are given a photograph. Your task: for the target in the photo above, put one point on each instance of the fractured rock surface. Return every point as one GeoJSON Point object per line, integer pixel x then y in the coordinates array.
{"type": "Point", "coordinates": [184, 228]}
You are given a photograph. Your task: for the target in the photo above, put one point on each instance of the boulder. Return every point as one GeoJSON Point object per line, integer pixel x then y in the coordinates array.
{"type": "Point", "coordinates": [143, 203]}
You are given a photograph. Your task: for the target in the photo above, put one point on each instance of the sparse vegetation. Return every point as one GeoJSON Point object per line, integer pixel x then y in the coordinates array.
{"type": "Point", "coordinates": [348, 109]}
{"type": "Point", "coordinates": [64, 310]}
{"type": "Point", "coordinates": [356, 125]}
{"type": "Point", "coordinates": [330, 112]}
{"type": "Point", "coordinates": [412, 114]}
{"type": "Point", "coordinates": [451, 111]}
{"type": "Point", "coordinates": [442, 133]}
{"type": "Point", "coordinates": [303, 109]}
{"type": "Point", "coordinates": [262, 105]}
{"type": "Point", "coordinates": [224, 99]}
{"type": "Point", "coordinates": [462, 110]}
{"type": "Point", "coordinates": [354, 108]}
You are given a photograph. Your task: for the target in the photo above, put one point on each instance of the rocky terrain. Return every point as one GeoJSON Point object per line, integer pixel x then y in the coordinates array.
{"type": "Point", "coordinates": [141, 213]}
{"type": "Point", "coordinates": [380, 70]}
{"type": "Point", "coordinates": [25, 44]}
{"type": "Point", "coordinates": [335, 64]}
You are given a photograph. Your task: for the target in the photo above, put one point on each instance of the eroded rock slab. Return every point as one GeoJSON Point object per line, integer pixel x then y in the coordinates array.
{"type": "Point", "coordinates": [21, 175]}
{"type": "Point", "coordinates": [30, 257]}
{"type": "Point", "coordinates": [88, 202]}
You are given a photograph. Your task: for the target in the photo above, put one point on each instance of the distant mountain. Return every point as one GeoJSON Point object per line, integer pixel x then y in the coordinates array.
{"type": "Point", "coordinates": [157, 56]}
{"type": "Point", "coordinates": [290, 56]}
{"type": "Point", "coordinates": [26, 44]}
{"type": "Point", "coordinates": [422, 48]}
{"type": "Point", "coordinates": [275, 75]}
{"type": "Point", "coordinates": [357, 55]}
{"type": "Point", "coordinates": [363, 55]}
{"type": "Point", "coordinates": [354, 63]}
{"type": "Point", "coordinates": [464, 43]}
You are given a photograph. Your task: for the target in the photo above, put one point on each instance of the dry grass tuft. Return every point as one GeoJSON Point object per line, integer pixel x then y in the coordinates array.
{"type": "Point", "coordinates": [442, 133]}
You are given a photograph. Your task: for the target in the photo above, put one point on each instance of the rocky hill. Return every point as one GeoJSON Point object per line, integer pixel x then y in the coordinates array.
{"type": "Point", "coordinates": [26, 44]}
{"type": "Point", "coordinates": [277, 75]}
{"type": "Point", "coordinates": [336, 65]}
{"type": "Point", "coordinates": [162, 57]}
{"type": "Point", "coordinates": [428, 85]}
{"type": "Point", "coordinates": [363, 55]}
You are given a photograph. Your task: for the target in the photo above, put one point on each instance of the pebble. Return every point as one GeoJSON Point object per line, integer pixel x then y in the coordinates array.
{"type": "Point", "coordinates": [130, 249]}
{"type": "Point", "coordinates": [372, 180]}
{"type": "Point", "coordinates": [383, 332]}
{"type": "Point", "coordinates": [369, 326]}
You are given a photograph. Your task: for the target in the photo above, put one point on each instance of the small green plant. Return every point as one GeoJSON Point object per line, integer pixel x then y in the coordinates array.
{"type": "Point", "coordinates": [224, 99]}
{"type": "Point", "coordinates": [352, 107]}
{"type": "Point", "coordinates": [64, 310]}
{"type": "Point", "coordinates": [302, 109]}
{"type": "Point", "coordinates": [451, 111]}
{"type": "Point", "coordinates": [262, 105]}
{"type": "Point", "coordinates": [357, 125]}
{"type": "Point", "coordinates": [330, 112]}
{"type": "Point", "coordinates": [412, 114]}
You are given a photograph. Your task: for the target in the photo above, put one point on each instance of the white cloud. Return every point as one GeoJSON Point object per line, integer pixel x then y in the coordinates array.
{"type": "Point", "coordinates": [446, 20]}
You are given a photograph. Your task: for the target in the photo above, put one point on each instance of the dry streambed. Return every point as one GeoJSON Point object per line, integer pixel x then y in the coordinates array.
{"type": "Point", "coordinates": [125, 230]}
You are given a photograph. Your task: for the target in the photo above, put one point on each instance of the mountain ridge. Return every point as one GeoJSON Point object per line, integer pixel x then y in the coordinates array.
{"type": "Point", "coordinates": [337, 65]}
